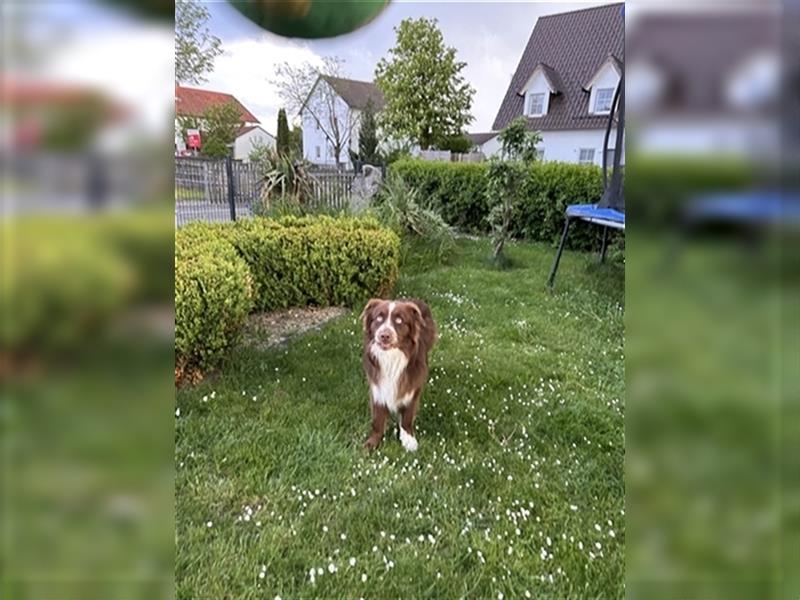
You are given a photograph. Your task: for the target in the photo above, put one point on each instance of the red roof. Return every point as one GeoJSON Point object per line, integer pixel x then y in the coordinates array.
{"type": "Point", "coordinates": [192, 102]}
{"type": "Point", "coordinates": [27, 94]}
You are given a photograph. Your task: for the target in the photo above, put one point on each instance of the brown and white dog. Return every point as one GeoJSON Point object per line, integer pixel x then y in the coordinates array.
{"type": "Point", "coordinates": [398, 334]}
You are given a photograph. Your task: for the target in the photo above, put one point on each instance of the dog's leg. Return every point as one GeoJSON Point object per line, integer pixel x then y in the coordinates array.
{"type": "Point", "coordinates": [379, 416]}
{"type": "Point", "coordinates": [408, 414]}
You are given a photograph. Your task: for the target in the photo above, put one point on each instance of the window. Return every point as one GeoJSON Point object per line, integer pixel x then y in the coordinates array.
{"type": "Point", "coordinates": [602, 100]}
{"type": "Point", "coordinates": [535, 104]}
{"type": "Point", "coordinates": [317, 151]}
{"type": "Point", "coordinates": [586, 156]}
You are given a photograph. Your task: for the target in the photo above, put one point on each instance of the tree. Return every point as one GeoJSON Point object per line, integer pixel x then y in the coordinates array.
{"type": "Point", "coordinates": [506, 175]}
{"type": "Point", "coordinates": [218, 127]}
{"type": "Point", "coordinates": [304, 89]}
{"type": "Point", "coordinates": [460, 143]}
{"type": "Point", "coordinates": [368, 136]}
{"type": "Point", "coordinates": [426, 96]}
{"type": "Point", "coordinates": [283, 143]}
{"type": "Point", "coordinates": [195, 46]}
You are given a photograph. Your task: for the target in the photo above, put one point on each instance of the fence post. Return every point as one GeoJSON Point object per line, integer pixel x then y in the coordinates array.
{"type": "Point", "coordinates": [231, 194]}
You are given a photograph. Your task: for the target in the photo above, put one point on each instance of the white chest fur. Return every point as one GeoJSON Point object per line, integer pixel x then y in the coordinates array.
{"type": "Point", "coordinates": [392, 364]}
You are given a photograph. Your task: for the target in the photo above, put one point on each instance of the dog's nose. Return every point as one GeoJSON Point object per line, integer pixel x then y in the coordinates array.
{"type": "Point", "coordinates": [385, 337]}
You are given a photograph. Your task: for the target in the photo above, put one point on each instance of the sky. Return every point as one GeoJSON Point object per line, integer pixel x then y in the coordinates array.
{"type": "Point", "coordinates": [488, 36]}
{"type": "Point", "coordinates": [95, 42]}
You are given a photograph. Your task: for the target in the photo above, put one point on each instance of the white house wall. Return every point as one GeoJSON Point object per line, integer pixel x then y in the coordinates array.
{"type": "Point", "coordinates": [565, 146]}
{"type": "Point", "coordinates": [729, 136]}
{"type": "Point", "coordinates": [313, 137]}
{"type": "Point", "coordinates": [491, 147]}
{"type": "Point", "coordinates": [246, 143]}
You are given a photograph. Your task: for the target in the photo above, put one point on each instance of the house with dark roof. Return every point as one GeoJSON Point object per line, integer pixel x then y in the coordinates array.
{"type": "Point", "coordinates": [194, 102]}
{"type": "Point", "coordinates": [565, 83]}
{"type": "Point", "coordinates": [331, 118]}
{"type": "Point", "coordinates": [705, 83]}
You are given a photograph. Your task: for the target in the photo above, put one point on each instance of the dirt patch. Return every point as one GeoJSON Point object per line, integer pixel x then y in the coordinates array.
{"type": "Point", "coordinates": [266, 330]}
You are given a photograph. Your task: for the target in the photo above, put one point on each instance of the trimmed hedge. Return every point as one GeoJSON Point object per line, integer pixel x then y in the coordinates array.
{"type": "Point", "coordinates": [68, 276]}
{"type": "Point", "coordinates": [458, 192]}
{"type": "Point", "coordinates": [655, 188]}
{"type": "Point", "coordinates": [658, 186]}
{"type": "Point", "coordinates": [213, 296]}
{"type": "Point", "coordinates": [224, 270]}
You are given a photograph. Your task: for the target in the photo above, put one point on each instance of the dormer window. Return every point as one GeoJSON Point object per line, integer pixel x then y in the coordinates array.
{"type": "Point", "coordinates": [535, 105]}
{"type": "Point", "coordinates": [602, 100]}
{"type": "Point", "coordinates": [602, 85]}
{"type": "Point", "coordinates": [543, 83]}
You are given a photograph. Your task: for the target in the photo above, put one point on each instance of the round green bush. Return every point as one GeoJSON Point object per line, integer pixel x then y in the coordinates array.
{"type": "Point", "coordinates": [213, 296]}
{"type": "Point", "coordinates": [224, 270]}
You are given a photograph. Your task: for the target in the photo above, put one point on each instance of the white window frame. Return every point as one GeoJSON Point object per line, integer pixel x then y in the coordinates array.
{"type": "Point", "coordinates": [529, 101]}
{"type": "Point", "coordinates": [597, 109]}
{"type": "Point", "coordinates": [586, 161]}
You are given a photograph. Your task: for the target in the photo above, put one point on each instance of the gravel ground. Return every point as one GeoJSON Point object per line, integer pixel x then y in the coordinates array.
{"type": "Point", "coordinates": [275, 328]}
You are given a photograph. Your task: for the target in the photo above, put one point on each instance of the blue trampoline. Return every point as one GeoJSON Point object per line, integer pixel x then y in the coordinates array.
{"type": "Point", "coordinates": [609, 212]}
{"type": "Point", "coordinates": [764, 207]}
{"type": "Point", "coordinates": [605, 217]}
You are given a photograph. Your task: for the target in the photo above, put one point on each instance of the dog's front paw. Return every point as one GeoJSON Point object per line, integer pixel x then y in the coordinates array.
{"type": "Point", "coordinates": [372, 443]}
{"type": "Point", "coordinates": [409, 441]}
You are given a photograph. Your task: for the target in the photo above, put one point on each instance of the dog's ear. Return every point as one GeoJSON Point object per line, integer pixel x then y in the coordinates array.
{"type": "Point", "coordinates": [417, 314]}
{"type": "Point", "coordinates": [365, 313]}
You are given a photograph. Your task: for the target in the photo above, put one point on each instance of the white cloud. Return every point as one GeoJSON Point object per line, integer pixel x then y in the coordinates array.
{"type": "Point", "coordinates": [247, 67]}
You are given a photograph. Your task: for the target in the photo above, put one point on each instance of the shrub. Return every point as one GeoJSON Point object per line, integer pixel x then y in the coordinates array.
{"type": "Point", "coordinates": [67, 277]}
{"type": "Point", "coordinates": [300, 261]}
{"type": "Point", "coordinates": [213, 295]}
{"type": "Point", "coordinates": [657, 186]}
{"type": "Point", "coordinates": [398, 208]}
{"type": "Point", "coordinates": [458, 191]}
{"type": "Point", "coordinates": [59, 286]}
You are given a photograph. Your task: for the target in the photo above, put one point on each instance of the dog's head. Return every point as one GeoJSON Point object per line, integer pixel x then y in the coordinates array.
{"type": "Point", "coordinates": [392, 323]}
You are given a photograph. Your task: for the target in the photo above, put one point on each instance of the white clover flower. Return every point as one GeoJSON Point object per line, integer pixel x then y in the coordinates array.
{"type": "Point", "coordinates": [332, 568]}
{"type": "Point", "coordinates": [210, 524]}
{"type": "Point", "coordinates": [177, 412]}
{"type": "Point", "coordinates": [363, 578]}
{"type": "Point", "coordinates": [352, 561]}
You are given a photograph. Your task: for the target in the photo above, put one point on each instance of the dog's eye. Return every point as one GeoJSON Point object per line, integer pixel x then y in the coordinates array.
{"type": "Point", "coordinates": [379, 319]}
{"type": "Point", "coordinates": [398, 320]}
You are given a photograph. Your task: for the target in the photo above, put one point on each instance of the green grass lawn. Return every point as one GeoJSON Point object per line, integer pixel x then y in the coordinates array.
{"type": "Point", "coordinates": [517, 488]}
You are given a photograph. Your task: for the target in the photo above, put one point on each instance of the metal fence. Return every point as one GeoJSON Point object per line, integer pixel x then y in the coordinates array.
{"type": "Point", "coordinates": [226, 189]}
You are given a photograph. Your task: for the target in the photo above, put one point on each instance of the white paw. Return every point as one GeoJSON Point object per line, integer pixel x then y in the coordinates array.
{"type": "Point", "coordinates": [409, 441]}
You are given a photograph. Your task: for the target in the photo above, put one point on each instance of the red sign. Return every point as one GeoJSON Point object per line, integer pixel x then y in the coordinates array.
{"type": "Point", "coordinates": [193, 138]}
